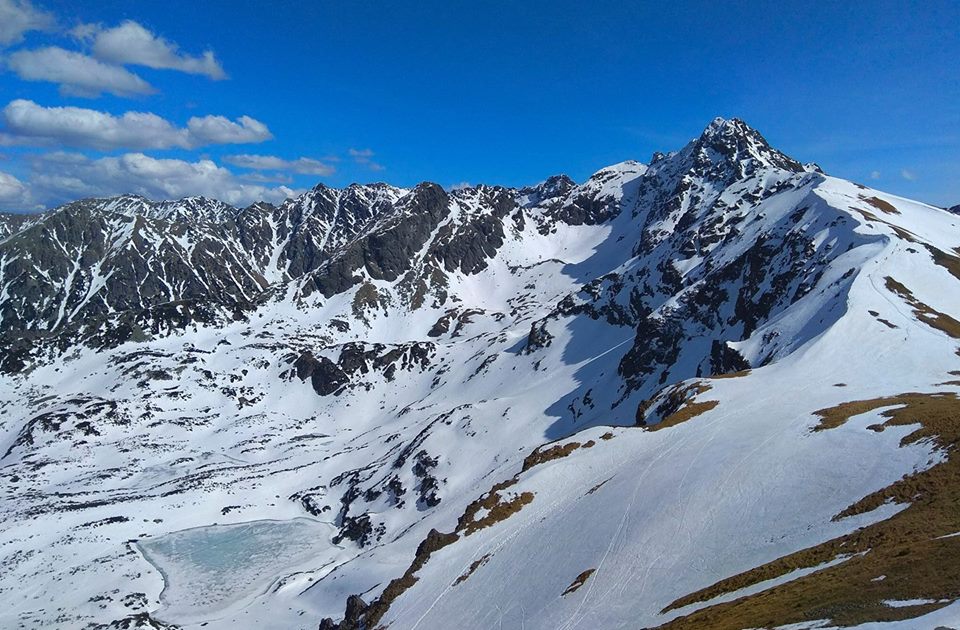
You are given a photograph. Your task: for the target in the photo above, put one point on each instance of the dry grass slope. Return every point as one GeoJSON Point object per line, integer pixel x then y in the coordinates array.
{"type": "Point", "coordinates": [948, 261]}
{"type": "Point", "coordinates": [675, 406]}
{"type": "Point", "coordinates": [926, 314]}
{"type": "Point", "coordinates": [881, 205]}
{"type": "Point", "coordinates": [910, 548]}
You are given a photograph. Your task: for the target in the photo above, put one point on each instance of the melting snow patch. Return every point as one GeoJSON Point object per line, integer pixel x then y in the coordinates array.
{"type": "Point", "coordinates": [902, 603]}
{"type": "Point", "coordinates": [209, 570]}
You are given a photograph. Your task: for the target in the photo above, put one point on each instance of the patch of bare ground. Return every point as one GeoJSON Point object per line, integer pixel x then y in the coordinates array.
{"type": "Point", "coordinates": [497, 508]}
{"type": "Point", "coordinates": [910, 548]}
{"type": "Point", "coordinates": [579, 581]}
{"type": "Point", "coordinates": [881, 205]}
{"type": "Point", "coordinates": [476, 564]}
{"type": "Point", "coordinates": [736, 374]}
{"type": "Point", "coordinates": [899, 231]}
{"type": "Point", "coordinates": [886, 323]}
{"type": "Point", "coordinates": [926, 314]}
{"type": "Point", "coordinates": [541, 454]}
{"type": "Point", "coordinates": [948, 261]}
{"type": "Point", "coordinates": [677, 406]}
{"type": "Point", "coordinates": [598, 486]}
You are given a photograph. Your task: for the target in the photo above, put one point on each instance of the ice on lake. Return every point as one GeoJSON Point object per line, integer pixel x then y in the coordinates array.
{"type": "Point", "coordinates": [210, 570]}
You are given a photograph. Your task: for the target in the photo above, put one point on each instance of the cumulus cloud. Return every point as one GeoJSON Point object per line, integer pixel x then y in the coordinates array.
{"type": "Point", "coordinates": [62, 176]}
{"type": "Point", "coordinates": [363, 156]}
{"type": "Point", "coordinates": [132, 44]}
{"type": "Point", "coordinates": [14, 194]}
{"type": "Point", "coordinates": [27, 123]}
{"type": "Point", "coordinates": [220, 130]}
{"type": "Point", "coordinates": [77, 74]}
{"type": "Point", "coordinates": [910, 176]}
{"type": "Point", "coordinates": [303, 165]}
{"type": "Point", "coordinates": [18, 17]}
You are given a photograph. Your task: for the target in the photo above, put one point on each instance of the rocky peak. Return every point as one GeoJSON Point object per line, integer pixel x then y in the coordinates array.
{"type": "Point", "coordinates": [555, 186]}
{"type": "Point", "coordinates": [730, 149]}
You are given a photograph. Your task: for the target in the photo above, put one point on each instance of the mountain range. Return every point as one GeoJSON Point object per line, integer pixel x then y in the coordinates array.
{"type": "Point", "coordinates": [715, 390]}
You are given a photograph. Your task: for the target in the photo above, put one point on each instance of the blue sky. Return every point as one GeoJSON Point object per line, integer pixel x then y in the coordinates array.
{"type": "Point", "coordinates": [261, 99]}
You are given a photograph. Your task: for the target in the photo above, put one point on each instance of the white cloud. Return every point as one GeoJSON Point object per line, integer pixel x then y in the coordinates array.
{"type": "Point", "coordinates": [363, 156]}
{"type": "Point", "coordinates": [910, 176]}
{"type": "Point", "coordinates": [14, 194]}
{"type": "Point", "coordinates": [27, 123]}
{"type": "Point", "coordinates": [77, 74]}
{"type": "Point", "coordinates": [303, 165]}
{"type": "Point", "coordinates": [267, 178]}
{"type": "Point", "coordinates": [874, 174]}
{"type": "Point", "coordinates": [132, 44]}
{"type": "Point", "coordinates": [18, 17]}
{"type": "Point", "coordinates": [61, 176]}
{"type": "Point", "coordinates": [220, 130]}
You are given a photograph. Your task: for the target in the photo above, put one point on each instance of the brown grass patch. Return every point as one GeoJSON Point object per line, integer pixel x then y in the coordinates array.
{"type": "Point", "coordinates": [541, 455]}
{"type": "Point", "coordinates": [899, 231]}
{"type": "Point", "coordinates": [736, 374]}
{"type": "Point", "coordinates": [926, 314]}
{"type": "Point", "coordinates": [497, 510]}
{"type": "Point", "coordinates": [887, 323]}
{"type": "Point", "coordinates": [579, 581]}
{"type": "Point", "coordinates": [948, 261]}
{"type": "Point", "coordinates": [476, 564]}
{"type": "Point", "coordinates": [909, 548]}
{"type": "Point", "coordinates": [881, 205]}
{"type": "Point", "coordinates": [687, 412]}
{"type": "Point", "coordinates": [675, 406]}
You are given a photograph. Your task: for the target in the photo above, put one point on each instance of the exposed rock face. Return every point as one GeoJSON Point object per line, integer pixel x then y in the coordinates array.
{"type": "Point", "coordinates": [325, 376]}
{"type": "Point", "coordinates": [101, 272]}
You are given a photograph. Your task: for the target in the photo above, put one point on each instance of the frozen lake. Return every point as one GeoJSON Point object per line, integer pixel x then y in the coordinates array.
{"type": "Point", "coordinates": [210, 570]}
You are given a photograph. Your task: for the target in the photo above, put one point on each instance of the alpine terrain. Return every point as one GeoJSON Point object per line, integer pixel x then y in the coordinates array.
{"type": "Point", "coordinates": [717, 390]}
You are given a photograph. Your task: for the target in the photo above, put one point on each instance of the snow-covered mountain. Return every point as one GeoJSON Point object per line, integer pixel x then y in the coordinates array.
{"type": "Point", "coordinates": [714, 391]}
